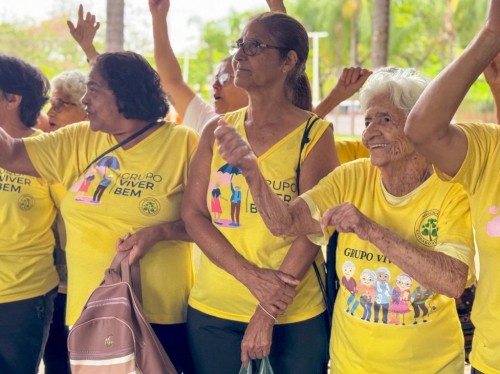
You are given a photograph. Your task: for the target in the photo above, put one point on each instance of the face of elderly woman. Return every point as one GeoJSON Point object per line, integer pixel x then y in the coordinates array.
{"type": "Point", "coordinates": [100, 105]}
{"type": "Point", "coordinates": [257, 61]}
{"type": "Point", "coordinates": [63, 111]}
{"type": "Point", "coordinates": [384, 135]}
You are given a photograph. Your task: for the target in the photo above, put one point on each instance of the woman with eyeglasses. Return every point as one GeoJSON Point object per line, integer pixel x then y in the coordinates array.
{"type": "Point", "coordinates": [28, 278]}
{"type": "Point", "coordinates": [397, 222]}
{"type": "Point", "coordinates": [256, 295]}
{"type": "Point", "coordinates": [65, 101]}
{"type": "Point", "coordinates": [65, 108]}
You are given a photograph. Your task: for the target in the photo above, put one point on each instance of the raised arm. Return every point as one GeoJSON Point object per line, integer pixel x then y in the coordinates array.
{"type": "Point", "coordinates": [14, 157]}
{"type": "Point", "coordinates": [428, 125]}
{"type": "Point", "coordinates": [492, 76]}
{"type": "Point", "coordinates": [166, 62]}
{"type": "Point", "coordinates": [350, 81]}
{"type": "Point", "coordinates": [276, 6]}
{"type": "Point", "coordinates": [84, 33]}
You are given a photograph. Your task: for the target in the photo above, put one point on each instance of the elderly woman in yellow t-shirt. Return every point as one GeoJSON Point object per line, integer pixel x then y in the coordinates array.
{"type": "Point", "coordinates": [393, 214]}
{"type": "Point", "coordinates": [139, 165]}
{"type": "Point", "coordinates": [247, 302]}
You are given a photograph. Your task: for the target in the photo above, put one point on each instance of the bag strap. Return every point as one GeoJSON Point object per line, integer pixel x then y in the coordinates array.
{"type": "Point", "coordinates": [130, 274]}
{"type": "Point", "coordinates": [123, 142]}
{"type": "Point", "coordinates": [305, 140]}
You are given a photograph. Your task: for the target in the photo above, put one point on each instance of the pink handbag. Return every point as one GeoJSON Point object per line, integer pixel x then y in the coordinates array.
{"type": "Point", "coordinates": [112, 334]}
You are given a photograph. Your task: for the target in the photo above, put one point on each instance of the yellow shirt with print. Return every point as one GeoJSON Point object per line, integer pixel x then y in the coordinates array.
{"type": "Point", "coordinates": [26, 240]}
{"type": "Point", "coordinates": [404, 327]}
{"type": "Point", "coordinates": [218, 293]}
{"type": "Point", "coordinates": [479, 175]}
{"type": "Point", "coordinates": [124, 191]}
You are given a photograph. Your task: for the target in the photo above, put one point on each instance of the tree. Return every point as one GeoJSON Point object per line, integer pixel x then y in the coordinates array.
{"type": "Point", "coordinates": [380, 38]}
{"type": "Point", "coordinates": [115, 10]}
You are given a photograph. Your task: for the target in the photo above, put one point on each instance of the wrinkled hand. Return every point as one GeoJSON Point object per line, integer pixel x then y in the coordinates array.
{"type": "Point", "coordinates": [159, 8]}
{"type": "Point", "coordinates": [85, 29]}
{"type": "Point", "coordinates": [350, 81]}
{"type": "Point", "coordinates": [347, 218]}
{"type": "Point", "coordinates": [256, 343]}
{"type": "Point", "coordinates": [233, 148]}
{"type": "Point", "coordinates": [492, 74]}
{"type": "Point", "coordinates": [139, 243]}
{"type": "Point", "coordinates": [272, 288]}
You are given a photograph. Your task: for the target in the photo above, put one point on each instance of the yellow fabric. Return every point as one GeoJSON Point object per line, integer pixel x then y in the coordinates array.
{"type": "Point", "coordinates": [26, 240]}
{"type": "Point", "coordinates": [218, 293]}
{"type": "Point", "coordinates": [350, 150]}
{"type": "Point", "coordinates": [429, 344]}
{"type": "Point", "coordinates": [147, 184]}
{"type": "Point", "coordinates": [479, 177]}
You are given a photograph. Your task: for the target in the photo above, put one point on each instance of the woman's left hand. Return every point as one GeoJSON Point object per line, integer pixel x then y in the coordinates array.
{"type": "Point", "coordinates": [256, 343]}
{"type": "Point", "coordinates": [347, 218]}
{"type": "Point", "coordinates": [139, 243]}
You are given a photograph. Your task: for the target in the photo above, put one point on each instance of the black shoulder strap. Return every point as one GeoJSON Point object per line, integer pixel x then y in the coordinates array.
{"type": "Point", "coordinates": [305, 139]}
{"type": "Point", "coordinates": [123, 142]}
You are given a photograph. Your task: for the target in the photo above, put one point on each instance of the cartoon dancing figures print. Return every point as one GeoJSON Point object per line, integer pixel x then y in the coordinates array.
{"type": "Point", "coordinates": [419, 297]}
{"type": "Point", "coordinates": [400, 298]}
{"type": "Point", "coordinates": [350, 285]}
{"type": "Point", "coordinates": [383, 292]}
{"type": "Point", "coordinates": [367, 292]}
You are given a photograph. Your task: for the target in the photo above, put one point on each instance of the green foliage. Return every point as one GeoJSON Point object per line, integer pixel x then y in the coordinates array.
{"type": "Point", "coordinates": [418, 38]}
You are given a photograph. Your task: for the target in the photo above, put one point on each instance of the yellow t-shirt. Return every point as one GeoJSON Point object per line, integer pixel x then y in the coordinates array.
{"type": "Point", "coordinates": [218, 293]}
{"type": "Point", "coordinates": [479, 175]}
{"type": "Point", "coordinates": [403, 327]}
{"type": "Point", "coordinates": [123, 192]}
{"type": "Point", "coordinates": [26, 240]}
{"type": "Point", "coordinates": [349, 150]}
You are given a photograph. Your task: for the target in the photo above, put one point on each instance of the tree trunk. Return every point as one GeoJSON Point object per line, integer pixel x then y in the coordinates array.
{"type": "Point", "coordinates": [114, 25]}
{"type": "Point", "coordinates": [380, 38]}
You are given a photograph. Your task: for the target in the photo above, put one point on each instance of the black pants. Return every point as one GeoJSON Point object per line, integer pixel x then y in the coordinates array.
{"type": "Point", "coordinates": [297, 348]}
{"type": "Point", "coordinates": [55, 357]}
{"type": "Point", "coordinates": [174, 340]}
{"type": "Point", "coordinates": [24, 327]}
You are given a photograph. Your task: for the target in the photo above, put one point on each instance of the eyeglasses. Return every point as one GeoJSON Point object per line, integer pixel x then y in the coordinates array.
{"type": "Point", "coordinates": [251, 47]}
{"type": "Point", "coordinates": [222, 79]}
{"type": "Point", "coordinates": [58, 105]}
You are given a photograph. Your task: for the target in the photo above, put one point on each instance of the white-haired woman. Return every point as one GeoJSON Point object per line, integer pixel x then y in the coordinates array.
{"type": "Point", "coordinates": [391, 211]}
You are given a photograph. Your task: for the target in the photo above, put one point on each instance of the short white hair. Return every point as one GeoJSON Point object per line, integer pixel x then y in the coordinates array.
{"type": "Point", "coordinates": [71, 83]}
{"type": "Point", "coordinates": [403, 85]}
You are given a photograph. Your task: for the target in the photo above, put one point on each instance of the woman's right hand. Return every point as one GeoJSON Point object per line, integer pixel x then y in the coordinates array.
{"type": "Point", "coordinates": [84, 32]}
{"type": "Point", "coordinates": [159, 8]}
{"type": "Point", "coordinates": [271, 287]}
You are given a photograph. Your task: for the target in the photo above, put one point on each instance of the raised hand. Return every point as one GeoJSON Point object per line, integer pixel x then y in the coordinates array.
{"type": "Point", "coordinates": [276, 6]}
{"type": "Point", "coordinates": [233, 148]}
{"type": "Point", "coordinates": [159, 8]}
{"type": "Point", "coordinates": [84, 32]}
{"type": "Point", "coordinates": [350, 81]}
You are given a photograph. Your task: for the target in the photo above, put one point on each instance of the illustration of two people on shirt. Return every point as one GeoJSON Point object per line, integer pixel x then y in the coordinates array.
{"type": "Point", "coordinates": [235, 204]}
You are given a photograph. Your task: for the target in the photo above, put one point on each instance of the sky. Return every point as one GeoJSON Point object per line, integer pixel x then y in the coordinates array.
{"type": "Point", "coordinates": [183, 31]}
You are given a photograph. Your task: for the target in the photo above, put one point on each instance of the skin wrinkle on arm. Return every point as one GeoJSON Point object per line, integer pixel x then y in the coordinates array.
{"type": "Point", "coordinates": [435, 270]}
{"type": "Point", "coordinates": [265, 284]}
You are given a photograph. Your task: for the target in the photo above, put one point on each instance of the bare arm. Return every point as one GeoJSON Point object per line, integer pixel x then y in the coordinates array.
{"type": "Point", "coordinates": [276, 6]}
{"type": "Point", "coordinates": [144, 239]}
{"type": "Point", "coordinates": [267, 285]}
{"type": "Point", "coordinates": [428, 125]}
{"type": "Point", "coordinates": [350, 81]}
{"type": "Point", "coordinates": [434, 270]}
{"type": "Point", "coordinates": [84, 33]}
{"type": "Point", "coordinates": [14, 157]}
{"type": "Point", "coordinates": [492, 76]}
{"type": "Point", "coordinates": [166, 62]}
